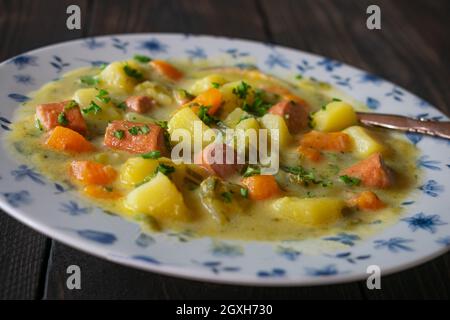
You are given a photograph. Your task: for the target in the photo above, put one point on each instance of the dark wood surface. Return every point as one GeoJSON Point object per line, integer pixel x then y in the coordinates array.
{"type": "Point", "coordinates": [412, 50]}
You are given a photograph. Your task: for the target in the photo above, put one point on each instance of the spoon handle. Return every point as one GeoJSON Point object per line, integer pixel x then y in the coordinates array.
{"type": "Point", "coordinates": [396, 122]}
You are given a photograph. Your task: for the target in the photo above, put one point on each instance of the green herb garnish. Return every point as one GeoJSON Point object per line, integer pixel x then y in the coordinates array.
{"type": "Point", "coordinates": [163, 124]}
{"type": "Point", "coordinates": [62, 119]}
{"type": "Point", "coordinates": [119, 134]}
{"type": "Point", "coordinates": [215, 85]}
{"type": "Point", "coordinates": [350, 181]}
{"type": "Point", "coordinates": [165, 169]}
{"type": "Point", "coordinates": [227, 197]}
{"type": "Point", "coordinates": [204, 116]}
{"type": "Point", "coordinates": [304, 176]}
{"type": "Point", "coordinates": [89, 80]}
{"type": "Point", "coordinates": [38, 124]}
{"type": "Point", "coordinates": [92, 108]}
{"type": "Point", "coordinates": [241, 90]}
{"type": "Point", "coordinates": [250, 171]}
{"type": "Point", "coordinates": [103, 96]}
{"type": "Point", "coordinates": [259, 106]}
{"type": "Point", "coordinates": [155, 154]}
{"type": "Point", "coordinates": [133, 73]}
{"type": "Point", "coordinates": [135, 130]}
{"type": "Point", "coordinates": [299, 77]}
{"type": "Point", "coordinates": [244, 192]}
{"type": "Point", "coordinates": [142, 58]}
{"type": "Point", "coordinates": [71, 104]}
{"type": "Point", "coordinates": [122, 106]}
{"type": "Point", "coordinates": [336, 99]}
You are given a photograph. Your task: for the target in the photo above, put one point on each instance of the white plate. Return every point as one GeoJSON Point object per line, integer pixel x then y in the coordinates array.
{"type": "Point", "coordinates": [422, 233]}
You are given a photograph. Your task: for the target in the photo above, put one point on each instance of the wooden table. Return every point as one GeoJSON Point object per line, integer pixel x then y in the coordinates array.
{"type": "Point", "coordinates": [412, 50]}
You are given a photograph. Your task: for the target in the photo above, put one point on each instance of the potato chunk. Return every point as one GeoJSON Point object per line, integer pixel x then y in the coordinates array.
{"type": "Point", "coordinates": [309, 212]}
{"type": "Point", "coordinates": [247, 130]}
{"type": "Point", "coordinates": [272, 121]}
{"type": "Point", "coordinates": [108, 111]}
{"type": "Point", "coordinates": [206, 83]}
{"type": "Point", "coordinates": [335, 116]}
{"type": "Point", "coordinates": [114, 77]}
{"type": "Point", "coordinates": [135, 170]}
{"type": "Point", "coordinates": [159, 198]}
{"type": "Point", "coordinates": [363, 143]}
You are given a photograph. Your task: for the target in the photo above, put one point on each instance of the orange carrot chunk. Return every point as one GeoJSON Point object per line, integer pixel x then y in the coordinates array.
{"type": "Point", "coordinates": [211, 98]}
{"type": "Point", "coordinates": [261, 187]}
{"type": "Point", "coordinates": [367, 201]}
{"type": "Point", "coordinates": [68, 140]}
{"type": "Point", "coordinates": [166, 69]}
{"type": "Point", "coordinates": [89, 172]}
{"type": "Point", "coordinates": [332, 141]}
{"type": "Point", "coordinates": [100, 192]}
{"type": "Point", "coordinates": [310, 153]}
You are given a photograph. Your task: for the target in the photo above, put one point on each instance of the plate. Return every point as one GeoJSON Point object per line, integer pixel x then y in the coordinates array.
{"type": "Point", "coordinates": [421, 233]}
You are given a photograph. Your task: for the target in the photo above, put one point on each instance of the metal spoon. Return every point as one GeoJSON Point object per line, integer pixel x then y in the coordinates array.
{"type": "Point", "coordinates": [391, 121]}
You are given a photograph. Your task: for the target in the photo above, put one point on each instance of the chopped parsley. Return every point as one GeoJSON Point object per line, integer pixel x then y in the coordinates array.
{"type": "Point", "coordinates": [103, 96]}
{"type": "Point", "coordinates": [163, 124]}
{"type": "Point", "coordinates": [250, 171]}
{"type": "Point", "coordinates": [227, 196]}
{"type": "Point", "coordinates": [62, 119]}
{"type": "Point", "coordinates": [119, 134]}
{"type": "Point", "coordinates": [336, 99]}
{"type": "Point", "coordinates": [89, 80]}
{"type": "Point", "coordinates": [204, 116]}
{"type": "Point", "coordinates": [165, 169]}
{"type": "Point", "coordinates": [350, 181]}
{"type": "Point", "coordinates": [133, 73]}
{"type": "Point", "coordinates": [155, 154]}
{"type": "Point", "coordinates": [38, 124]}
{"type": "Point", "coordinates": [215, 85]}
{"type": "Point", "coordinates": [142, 58]}
{"type": "Point", "coordinates": [92, 108]}
{"type": "Point", "coordinates": [301, 175]}
{"type": "Point", "coordinates": [71, 104]}
{"type": "Point", "coordinates": [241, 90]}
{"type": "Point", "coordinates": [122, 106]}
{"type": "Point", "coordinates": [299, 77]}
{"type": "Point", "coordinates": [259, 106]}
{"type": "Point", "coordinates": [135, 130]}
{"type": "Point", "coordinates": [244, 192]}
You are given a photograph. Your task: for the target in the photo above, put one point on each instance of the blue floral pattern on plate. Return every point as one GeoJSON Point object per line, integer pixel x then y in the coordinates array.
{"type": "Point", "coordinates": [52, 207]}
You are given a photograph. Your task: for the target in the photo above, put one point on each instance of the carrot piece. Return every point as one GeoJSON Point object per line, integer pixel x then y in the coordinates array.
{"type": "Point", "coordinates": [100, 192]}
{"type": "Point", "coordinates": [332, 141]}
{"type": "Point", "coordinates": [166, 69]}
{"type": "Point", "coordinates": [261, 187]}
{"type": "Point", "coordinates": [68, 140]}
{"type": "Point", "coordinates": [367, 201]}
{"type": "Point", "coordinates": [310, 153]}
{"type": "Point", "coordinates": [211, 98]}
{"type": "Point", "coordinates": [89, 172]}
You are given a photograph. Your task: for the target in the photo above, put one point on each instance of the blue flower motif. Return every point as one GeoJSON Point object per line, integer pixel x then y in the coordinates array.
{"type": "Point", "coordinates": [4, 123]}
{"type": "Point", "coordinates": [24, 79]}
{"type": "Point", "coordinates": [341, 81]}
{"type": "Point", "coordinates": [429, 164]}
{"type": "Point", "coordinates": [216, 266]}
{"type": "Point", "coordinates": [246, 66]}
{"type": "Point", "coordinates": [423, 104]}
{"type": "Point", "coordinates": [445, 241]}
{"type": "Point", "coordinates": [329, 64]}
{"type": "Point", "coordinates": [394, 244]}
{"type": "Point", "coordinates": [235, 53]}
{"type": "Point", "coordinates": [329, 270]}
{"type": "Point", "coordinates": [58, 64]}
{"type": "Point", "coordinates": [18, 97]}
{"type": "Point", "coordinates": [414, 137]}
{"type": "Point", "coordinates": [407, 203]}
{"type": "Point", "coordinates": [432, 188]}
{"type": "Point", "coordinates": [427, 116]}
{"type": "Point", "coordinates": [153, 45]}
{"type": "Point", "coordinates": [146, 259]}
{"type": "Point", "coordinates": [184, 236]}
{"type": "Point", "coordinates": [395, 93]}
{"type": "Point", "coordinates": [92, 44]}
{"type": "Point", "coordinates": [95, 63]}
{"type": "Point", "coordinates": [344, 238]}
{"type": "Point", "coordinates": [61, 189]}
{"type": "Point", "coordinates": [372, 103]}
{"type": "Point", "coordinates": [222, 249]}
{"type": "Point", "coordinates": [23, 61]}
{"type": "Point", "coordinates": [274, 273]}
{"type": "Point", "coordinates": [370, 78]}
{"type": "Point", "coordinates": [289, 253]}
{"type": "Point", "coordinates": [196, 53]}
{"type": "Point", "coordinates": [277, 59]}
{"type": "Point", "coordinates": [144, 240]}
{"type": "Point", "coordinates": [24, 171]}
{"type": "Point", "coordinates": [73, 208]}
{"type": "Point", "coordinates": [348, 256]}
{"type": "Point", "coordinates": [119, 44]}
{"type": "Point", "coordinates": [97, 236]}
{"type": "Point", "coordinates": [304, 66]}
{"type": "Point", "coordinates": [17, 199]}
{"type": "Point", "coordinates": [425, 222]}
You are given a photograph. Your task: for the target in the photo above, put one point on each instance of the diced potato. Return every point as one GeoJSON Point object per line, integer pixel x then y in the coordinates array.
{"type": "Point", "coordinates": [109, 111]}
{"type": "Point", "coordinates": [161, 94]}
{"type": "Point", "coordinates": [206, 83]}
{"type": "Point", "coordinates": [276, 122]}
{"type": "Point", "coordinates": [363, 143]}
{"type": "Point", "coordinates": [234, 117]}
{"type": "Point", "coordinates": [311, 212]}
{"type": "Point", "coordinates": [135, 170]}
{"type": "Point", "coordinates": [185, 119]}
{"type": "Point", "coordinates": [230, 100]}
{"type": "Point", "coordinates": [336, 116]}
{"type": "Point", "coordinates": [247, 126]}
{"type": "Point", "coordinates": [158, 198]}
{"type": "Point", "coordinates": [114, 78]}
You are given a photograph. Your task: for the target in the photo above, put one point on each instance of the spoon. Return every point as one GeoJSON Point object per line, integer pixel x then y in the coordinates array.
{"type": "Point", "coordinates": [391, 121]}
